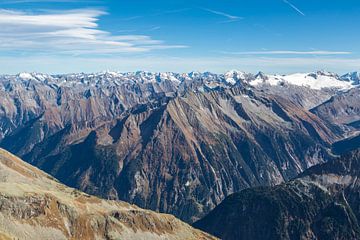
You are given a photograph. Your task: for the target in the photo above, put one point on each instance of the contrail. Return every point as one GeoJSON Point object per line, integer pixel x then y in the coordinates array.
{"type": "Point", "coordinates": [294, 7]}
{"type": "Point", "coordinates": [230, 17]}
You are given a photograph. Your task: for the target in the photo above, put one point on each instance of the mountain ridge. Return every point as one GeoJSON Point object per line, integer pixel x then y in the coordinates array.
{"type": "Point", "coordinates": [36, 206]}
{"type": "Point", "coordinates": [321, 203]}
{"type": "Point", "coordinates": [232, 77]}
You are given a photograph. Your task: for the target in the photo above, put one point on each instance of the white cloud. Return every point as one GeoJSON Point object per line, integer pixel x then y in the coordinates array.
{"type": "Point", "coordinates": [68, 32]}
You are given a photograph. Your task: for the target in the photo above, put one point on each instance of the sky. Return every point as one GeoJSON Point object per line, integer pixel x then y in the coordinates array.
{"type": "Point", "coordinates": [274, 36]}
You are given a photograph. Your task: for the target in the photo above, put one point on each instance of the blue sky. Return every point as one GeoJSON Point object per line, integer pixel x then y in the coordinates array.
{"type": "Point", "coordinates": [282, 36]}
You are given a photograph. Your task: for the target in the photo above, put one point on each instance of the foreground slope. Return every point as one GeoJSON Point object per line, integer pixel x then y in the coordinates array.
{"type": "Point", "coordinates": [35, 206]}
{"type": "Point", "coordinates": [322, 203]}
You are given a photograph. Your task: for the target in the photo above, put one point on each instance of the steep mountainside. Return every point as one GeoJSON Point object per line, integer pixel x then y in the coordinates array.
{"type": "Point", "coordinates": [188, 154]}
{"type": "Point", "coordinates": [304, 97]}
{"type": "Point", "coordinates": [342, 109]}
{"type": "Point", "coordinates": [322, 203]}
{"type": "Point", "coordinates": [175, 143]}
{"type": "Point", "coordinates": [346, 145]}
{"type": "Point", "coordinates": [35, 206]}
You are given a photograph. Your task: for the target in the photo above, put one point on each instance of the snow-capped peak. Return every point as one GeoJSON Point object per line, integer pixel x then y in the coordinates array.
{"type": "Point", "coordinates": [33, 76]}
{"type": "Point", "coordinates": [25, 76]}
{"type": "Point", "coordinates": [169, 76]}
{"type": "Point", "coordinates": [261, 75]}
{"type": "Point", "coordinates": [353, 77]}
{"type": "Point", "coordinates": [233, 76]}
{"type": "Point", "coordinates": [315, 80]}
{"type": "Point", "coordinates": [112, 74]}
{"type": "Point", "coordinates": [318, 80]}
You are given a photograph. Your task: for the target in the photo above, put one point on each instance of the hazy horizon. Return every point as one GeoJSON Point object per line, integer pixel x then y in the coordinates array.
{"type": "Point", "coordinates": [184, 72]}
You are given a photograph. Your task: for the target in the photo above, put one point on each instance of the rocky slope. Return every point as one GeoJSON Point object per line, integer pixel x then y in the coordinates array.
{"type": "Point", "coordinates": [322, 203]}
{"type": "Point", "coordinates": [33, 205]}
{"type": "Point", "coordinates": [186, 155]}
{"type": "Point", "coordinates": [308, 90]}
{"type": "Point", "coordinates": [346, 145]}
{"type": "Point", "coordinates": [175, 143]}
{"type": "Point", "coordinates": [342, 109]}
{"type": "Point", "coordinates": [342, 113]}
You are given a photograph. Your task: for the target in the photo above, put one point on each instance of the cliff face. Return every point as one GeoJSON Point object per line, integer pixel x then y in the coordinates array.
{"type": "Point", "coordinates": [342, 114]}
{"type": "Point", "coordinates": [33, 205]}
{"type": "Point", "coordinates": [322, 203]}
{"type": "Point", "coordinates": [342, 109]}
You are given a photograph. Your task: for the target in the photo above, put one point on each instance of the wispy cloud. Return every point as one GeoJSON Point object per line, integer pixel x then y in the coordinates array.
{"type": "Point", "coordinates": [230, 18]}
{"type": "Point", "coordinates": [48, 1]}
{"type": "Point", "coordinates": [294, 7]}
{"type": "Point", "coordinates": [173, 11]}
{"type": "Point", "coordinates": [287, 52]}
{"type": "Point", "coordinates": [154, 28]}
{"type": "Point", "coordinates": [166, 12]}
{"type": "Point", "coordinates": [68, 32]}
{"type": "Point", "coordinates": [132, 18]}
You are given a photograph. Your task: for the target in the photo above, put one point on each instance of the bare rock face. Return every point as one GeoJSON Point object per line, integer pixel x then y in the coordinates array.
{"type": "Point", "coordinates": [33, 205]}
{"type": "Point", "coordinates": [304, 97]}
{"type": "Point", "coordinates": [172, 143]}
{"type": "Point", "coordinates": [322, 203]}
{"type": "Point", "coordinates": [342, 109]}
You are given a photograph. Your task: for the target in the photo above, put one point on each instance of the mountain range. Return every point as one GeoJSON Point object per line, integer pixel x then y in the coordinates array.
{"type": "Point", "coordinates": [177, 143]}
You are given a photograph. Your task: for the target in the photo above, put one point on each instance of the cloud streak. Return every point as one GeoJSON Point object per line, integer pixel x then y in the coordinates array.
{"type": "Point", "coordinates": [231, 18]}
{"type": "Point", "coordinates": [48, 1]}
{"type": "Point", "coordinates": [294, 7]}
{"type": "Point", "coordinates": [68, 32]}
{"type": "Point", "coordinates": [287, 52]}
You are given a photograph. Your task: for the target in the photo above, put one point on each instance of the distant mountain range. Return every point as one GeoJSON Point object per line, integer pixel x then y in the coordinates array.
{"type": "Point", "coordinates": [177, 143]}
{"type": "Point", "coordinates": [316, 80]}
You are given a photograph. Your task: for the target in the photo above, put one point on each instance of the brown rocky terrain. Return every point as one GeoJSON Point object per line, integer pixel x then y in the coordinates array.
{"type": "Point", "coordinates": [321, 204]}
{"type": "Point", "coordinates": [342, 112]}
{"type": "Point", "coordinates": [33, 205]}
{"type": "Point", "coordinates": [178, 147]}
{"type": "Point", "coordinates": [342, 109]}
